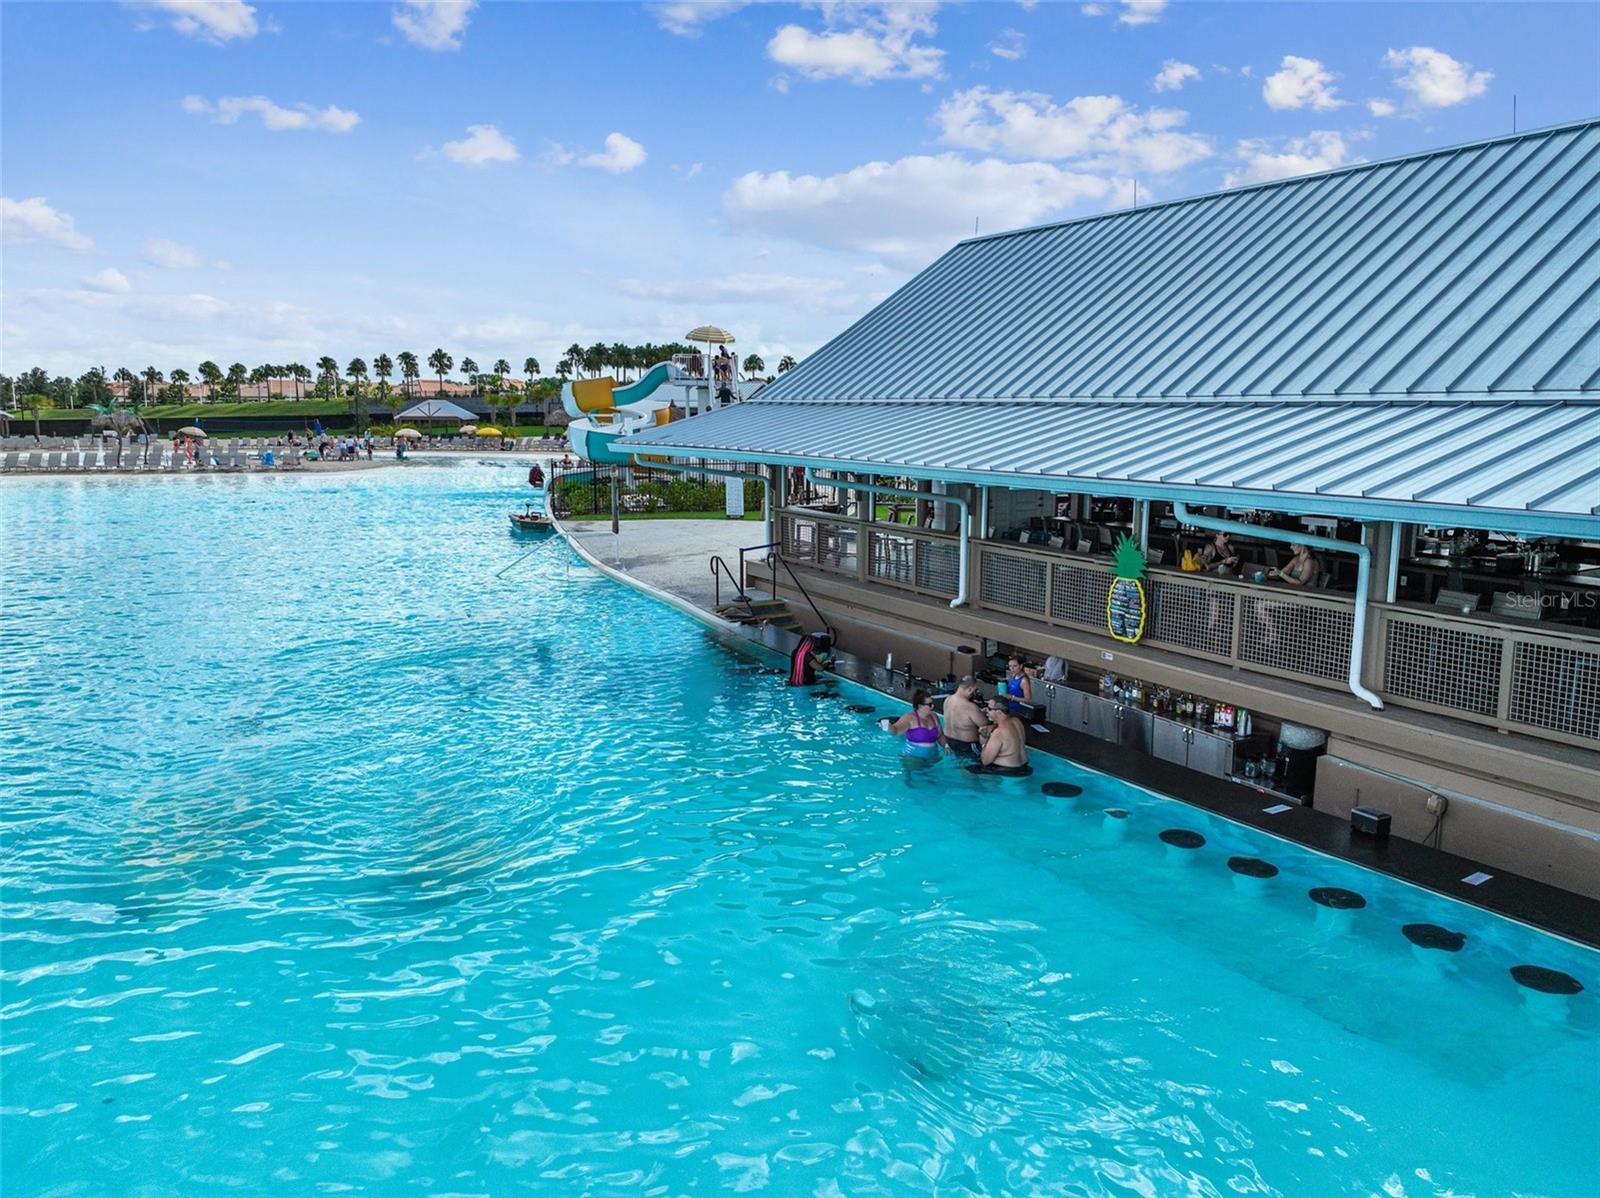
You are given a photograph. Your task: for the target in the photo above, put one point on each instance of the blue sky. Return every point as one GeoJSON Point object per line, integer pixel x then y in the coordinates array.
{"type": "Point", "coordinates": [272, 182]}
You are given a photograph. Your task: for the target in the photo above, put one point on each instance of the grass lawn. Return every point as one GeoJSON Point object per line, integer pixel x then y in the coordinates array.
{"type": "Point", "coordinates": [277, 407]}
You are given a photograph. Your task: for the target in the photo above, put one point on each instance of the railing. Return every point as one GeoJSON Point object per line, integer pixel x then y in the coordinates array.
{"type": "Point", "coordinates": [1534, 681]}
{"type": "Point", "coordinates": [1301, 634]}
{"type": "Point", "coordinates": [719, 570]}
{"type": "Point", "coordinates": [1539, 682]}
{"type": "Point", "coordinates": [913, 559]}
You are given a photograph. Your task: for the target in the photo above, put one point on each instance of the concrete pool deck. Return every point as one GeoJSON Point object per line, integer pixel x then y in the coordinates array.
{"type": "Point", "coordinates": [670, 555]}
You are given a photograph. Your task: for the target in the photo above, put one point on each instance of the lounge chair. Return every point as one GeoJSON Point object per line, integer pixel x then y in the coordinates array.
{"type": "Point", "coordinates": [153, 455]}
{"type": "Point", "coordinates": [52, 461]}
{"type": "Point", "coordinates": [9, 462]}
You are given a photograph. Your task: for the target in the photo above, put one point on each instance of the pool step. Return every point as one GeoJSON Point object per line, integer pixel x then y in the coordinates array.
{"type": "Point", "coordinates": [760, 611]}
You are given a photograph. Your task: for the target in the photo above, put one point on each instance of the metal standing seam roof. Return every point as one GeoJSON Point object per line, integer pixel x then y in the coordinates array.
{"type": "Point", "coordinates": [1473, 270]}
{"type": "Point", "coordinates": [1424, 330]}
{"type": "Point", "coordinates": [1516, 457]}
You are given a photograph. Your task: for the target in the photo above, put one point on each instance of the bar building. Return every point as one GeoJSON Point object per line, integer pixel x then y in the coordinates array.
{"type": "Point", "coordinates": [1396, 362]}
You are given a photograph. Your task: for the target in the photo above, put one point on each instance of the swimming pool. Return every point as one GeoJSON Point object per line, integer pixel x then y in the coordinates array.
{"type": "Point", "coordinates": [331, 859]}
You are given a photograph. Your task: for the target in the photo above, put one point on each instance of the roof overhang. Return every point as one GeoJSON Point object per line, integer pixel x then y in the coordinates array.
{"type": "Point", "coordinates": [1535, 471]}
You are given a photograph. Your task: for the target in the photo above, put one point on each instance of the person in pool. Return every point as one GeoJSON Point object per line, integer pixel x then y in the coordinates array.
{"type": "Point", "coordinates": [809, 656]}
{"type": "Point", "coordinates": [965, 721]}
{"type": "Point", "coordinates": [1005, 750]}
{"type": "Point", "coordinates": [920, 726]}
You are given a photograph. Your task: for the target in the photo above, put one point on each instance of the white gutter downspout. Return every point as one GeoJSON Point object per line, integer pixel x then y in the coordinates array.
{"type": "Point", "coordinates": [1363, 555]}
{"type": "Point", "coordinates": [766, 486]}
{"type": "Point", "coordinates": [918, 496]}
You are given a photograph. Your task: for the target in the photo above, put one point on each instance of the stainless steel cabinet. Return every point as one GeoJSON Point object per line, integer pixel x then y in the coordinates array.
{"type": "Point", "coordinates": [1191, 747]}
{"type": "Point", "coordinates": [1100, 718]}
{"type": "Point", "coordinates": [1170, 742]}
{"type": "Point", "coordinates": [1210, 754]}
{"type": "Point", "coordinates": [1137, 728]}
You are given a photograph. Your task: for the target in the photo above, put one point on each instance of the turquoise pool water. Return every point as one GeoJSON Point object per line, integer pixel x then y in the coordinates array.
{"type": "Point", "coordinates": [334, 863]}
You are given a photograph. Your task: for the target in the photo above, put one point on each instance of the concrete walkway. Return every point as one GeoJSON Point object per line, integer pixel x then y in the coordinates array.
{"type": "Point", "coordinates": [674, 555]}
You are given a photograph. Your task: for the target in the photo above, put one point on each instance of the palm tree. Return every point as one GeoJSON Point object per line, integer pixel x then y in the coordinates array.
{"type": "Point", "coordinates": [269, 373]}
{"type": "Point", "coordinates": [617, 354]}
{"type": "Point", "coordinates": [383, 367]}
{"type": "Point", "coordinates": [237, 374]}
{"type": "Point", "coordinates": [753, 365]}
{"type": "Point", "coordinates": [357, 370]}
{"type": "Point", "coordinates": [302, 375]}
{"type": "Point", "coordinates": [152, 380]}
{"type": "Point", "coordinates": [409, 370]}
{"type": "Point", "coordinates": [180, 381]}
{"type": "Point", "coordinates": [575, 355]}
{"type": "Point", "coordinates": [441, 364]}
{"type": "Point", "coordinates": [786, 364]}
{"type": "Point", "coordinates": [564, 368]}
{"type": "Point", "coordinates": [594, 358]}
{"type": "Point", "coordinates": [210, 375]}
{"type": "Point", "coordinates": [470, 369]}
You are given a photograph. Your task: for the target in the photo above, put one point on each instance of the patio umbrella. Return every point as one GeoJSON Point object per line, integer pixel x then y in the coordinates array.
{"type": "Point", "coordinates": [709, 333]}
{"type": "Point", "coordinates": [469, 429]}
{"type": "Point", "coordinates": [489, 430]}
{"type": "Point", "coordinates": [190, 430]}
{"type": "Point", "coordinates": [410, 434]}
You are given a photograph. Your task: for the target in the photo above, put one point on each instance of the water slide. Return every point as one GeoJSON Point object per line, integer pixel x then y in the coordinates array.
{"type": "Point", "coordinates": [601, 411]}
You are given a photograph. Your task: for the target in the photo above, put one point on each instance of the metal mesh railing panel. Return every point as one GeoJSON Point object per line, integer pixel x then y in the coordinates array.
{"type": "Point", "coordinates": [797, 539]}
{"type": "Point", "coordinates": [1442, 665]}
{"type": "Point", "coordinates": [1556, 687]}
{"type": "Point", "coordinates": [836, 547]}
{"type": "Point", "coordinates": [939, 567]}
{"type": "Point", "coordinates": [890, 556]}
{"type": "Point", "coordinates": [1013, 581]}
{"type": "Point", "coordinates": [1301, 638]}
{"type": "Point", "coordinates": [1195, 617]}
{"type": "Point", "coordinates": [1078, 594]}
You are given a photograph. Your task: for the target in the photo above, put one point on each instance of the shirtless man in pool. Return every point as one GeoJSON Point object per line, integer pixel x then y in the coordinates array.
{"type": "Point", "coordinates": [964, 721]}
{"type": "Point", "coordinates": [1005, 747]}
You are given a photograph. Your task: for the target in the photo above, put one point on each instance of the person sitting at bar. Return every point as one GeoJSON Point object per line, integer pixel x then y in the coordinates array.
{"type": "Point", "coordinates": [1005, 749]}
{"type": "Point", "coordinates": [1302, 569]}
{"type": "Point", "coordinates": [964, 720]}
{"type": "Point", "coordinates": [1219, 557]}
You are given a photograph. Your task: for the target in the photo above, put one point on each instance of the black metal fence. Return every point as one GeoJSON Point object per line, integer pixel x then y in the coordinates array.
{"type": "Point", "coordinates": [586, 490]}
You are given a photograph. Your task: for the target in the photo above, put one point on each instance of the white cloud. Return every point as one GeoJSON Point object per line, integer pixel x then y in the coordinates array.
{"type": "Point", "coordinates": [1173, 75]}
{"type": "Point", "coordinates": [863, 43]}
{"type": "Point", "coordinates": [1319, 151]}
{"type": "Point", "coordinates": [1435, 79]}
{"type": "Point", "coordinates": [621, 155]}
{"type": "Point", "coordinates": [172, 255]}
{"type": "Point", "coordinates": [1103, 132]}
{"type": "Point", "coordinates": [110, 280]}
{"type": "Point", "coordinates": [685, 17]}
{"type": "Point", "coordinates": [482, 145]}
{"type": "Point", "coordinates": [209, 20]}
{"type": "Point", "coordinates": [1010, 45]}
{"type": "Point", "coordinates": [732, 288]}
{"type": "Point", "coordinates": [433, 24]}
{"type": "Point", "coordinates": [33, 220]}
{"type": "Point", "coordinates": [910, 209]}
{"type": "Point", "coordinates": [228, 109]}
{"type": "Point", "coordinates": [1129, 12]}
{"type": "Point", "coordinates": [1300, 83]}
{"type": "Point", "coordinates": [1382, 107]}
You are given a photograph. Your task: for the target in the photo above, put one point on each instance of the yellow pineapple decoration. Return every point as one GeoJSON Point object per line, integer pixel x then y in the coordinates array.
{"type": "Point", "coordinates": [1125, 606]}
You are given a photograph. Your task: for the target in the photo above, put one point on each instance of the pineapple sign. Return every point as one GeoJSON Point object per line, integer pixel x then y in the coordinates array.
{"type": "Point", "coordinates": [1125, 606]}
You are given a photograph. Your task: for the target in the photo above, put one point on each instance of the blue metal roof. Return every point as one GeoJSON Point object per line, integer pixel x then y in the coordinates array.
{"type": "Point", "coordinates": [1528, 465]}
{"type": "Point", "coordinates": [1417, 339]}
{"type": "Point", "coordinates": [1466, 272]}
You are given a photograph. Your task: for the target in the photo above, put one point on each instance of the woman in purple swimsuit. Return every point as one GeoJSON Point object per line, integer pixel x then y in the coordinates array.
{"type": "Point", "coordinates": [921, 728]}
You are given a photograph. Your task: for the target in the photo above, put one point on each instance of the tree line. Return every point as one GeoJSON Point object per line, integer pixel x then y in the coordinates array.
{"type": "Point", "coordinates": [357, 381]}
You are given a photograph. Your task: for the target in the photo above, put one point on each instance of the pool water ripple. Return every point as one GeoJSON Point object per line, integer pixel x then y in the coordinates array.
{"type": "Point", "coordinates": [331, 860]}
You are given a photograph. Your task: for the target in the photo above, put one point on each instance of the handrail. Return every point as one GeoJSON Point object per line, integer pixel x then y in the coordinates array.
{"type": "Point", "coordinates": [961, 505]}
{"type": "Point", "coordinates": [738, 585]}
{"type": "Point", "coordinates": [833, 633]}
{"type": "Point", "coordinates": [1358, 632]}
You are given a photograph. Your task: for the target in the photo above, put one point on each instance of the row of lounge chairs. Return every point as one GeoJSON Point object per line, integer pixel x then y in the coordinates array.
{"type": "Point", "coordinates": [146, 459]}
